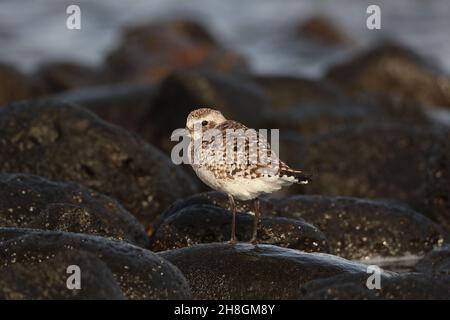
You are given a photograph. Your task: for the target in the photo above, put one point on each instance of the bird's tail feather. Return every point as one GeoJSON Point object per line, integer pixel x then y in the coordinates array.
{"type": "Point", "coordinates": [299, 176]}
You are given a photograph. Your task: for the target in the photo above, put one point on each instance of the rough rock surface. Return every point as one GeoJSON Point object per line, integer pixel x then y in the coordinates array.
{"type": "Point", "coordinates": [355, 228]}
{"type": "Point", "coordinates": [375, 161]}
{"type": "Point", "coordinates": [202, 223]}
{"type": "Point", "coordinates": [139, 273]}
{"type": "Point", "coordinates": [244, 271]}
{"type": "Point", "coordinates": [48, 279]}
{"type": "Point", "coordinates": [28, 201]}
{"type": "Point", "coordinates": [365, 229]}
{"type": "Point", "coordinates": [67, 143]}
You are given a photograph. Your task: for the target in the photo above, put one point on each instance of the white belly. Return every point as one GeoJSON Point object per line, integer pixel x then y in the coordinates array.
{"type": "Point", "coordinates": [242, 188]}
{"type": "Point", "coordinates": [239, 187]}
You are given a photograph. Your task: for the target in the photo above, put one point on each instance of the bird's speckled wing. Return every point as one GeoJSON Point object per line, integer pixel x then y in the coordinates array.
{"type": "Point", "coordinates": [246, 164]}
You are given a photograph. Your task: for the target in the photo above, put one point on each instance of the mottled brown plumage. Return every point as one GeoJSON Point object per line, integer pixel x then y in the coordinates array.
{"type": "Point", "coordinates": [229, 157]}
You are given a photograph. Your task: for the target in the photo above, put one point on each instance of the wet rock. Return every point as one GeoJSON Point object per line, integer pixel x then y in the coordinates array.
{"type": "Point", "coordinates": [436, 262]}
{"type": "Point", "coordinates": [364, 229]}
{"type": "Point", "coordinates": [371, 161]}
{"type": "Point", "coordinates": [48, 279]}
{"type": "Point", "coordinates": [202, 223]}
{"type": "Point", "coordinates": [393, 70]}
{"type": "Point", "coordinates": [410, 286]}
{"type": "Point", "coordinates": [322, 30]}
{"type": "Point", "coordinates": [181, 93]}
{"type": "Point", "coordinates": [286, 91]}
{"type": "Point", "coordinates": [16, 86]}
{"type": "Point", "coordinates": [139, 273]}
{"type": "Point", "coordinates": [121, 104]}
{"type": "Point", "coordinates": [149, 52]}
{"type": "Point", "coordinates": [28, 201]}
{"type": "Point", "coordinates": [61, 76]}
{"type": "Point", "coordinates": [244, 271]}
{"type": "Point", "coordinates": [67, 143]}
{"type": "Point", "coordinates": [355, 228]}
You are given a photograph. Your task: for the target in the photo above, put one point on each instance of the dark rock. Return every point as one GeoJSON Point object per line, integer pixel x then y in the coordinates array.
{"type": "Point", "coordinates": [436, 262]}
{"type": "Point", "coordinates": [61, 76]}
{"type": "Point", "coordinates": [311, 119]}
{"type": "Point", "coordinates": [244, 271]}
{"type": "Point", "coordinates": [364, 229]}
{"type": "Point", "coordinates": [393, 70]}
{"type": "Point", "coordinates": [436, 198]}
{"type": "Point", "coordinates": [355, 228]}
{"type": "Point", "coordinates": [149, 52]}
{"type": "Point", "coordinates": [139, 273]}
{"type": "Point", "coordinates": [181, 93]}
{"type": "Point", "coordinates": [48, 279]}
{"type": "Point", "coordinates": [15, 85]}
{"type": "Point", "coordinates": [286, 91]}
{"type": "Point", "coordinates": [371, 161]}
{"type": "Point", "coordinates": [321, 29]}
{"type": "Point", "coordinates": [411, 286]}
{"type": "Point", "coordinates": [67, 143]}
{"type": "Point", "coordinates": [121, 104]}
{"type": "Point", "coordinates": [28, 201]}
{"type": "Point", "coordinates": [202, 223]}
{"type": "Point", "coordinates": [211, 198]}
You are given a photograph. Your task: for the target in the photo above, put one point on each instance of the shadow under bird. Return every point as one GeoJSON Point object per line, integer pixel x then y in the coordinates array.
{"type": "Point", "coordinates": [234, 167]}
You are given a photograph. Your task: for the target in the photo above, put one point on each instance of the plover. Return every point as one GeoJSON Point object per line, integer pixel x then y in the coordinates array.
{"type": "Point", "coordinates": [244, 174]}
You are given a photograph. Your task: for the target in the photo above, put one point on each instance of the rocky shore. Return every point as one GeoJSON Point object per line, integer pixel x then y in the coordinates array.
{"type": "Point", "coordinates": [86, 177]}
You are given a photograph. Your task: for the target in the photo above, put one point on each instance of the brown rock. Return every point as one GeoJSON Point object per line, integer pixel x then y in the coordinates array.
{"type": "Point", "coordinates": [287, 91]}
{"type": "Point", "coordinates": [14, 85]}
{"type": "Point", "coordinates": [61, 76]}
{"type": "Point", "coordinates": [149, 52]}
{"type": "Point", "coordinates": [322, 30]}
{"type": "Point", "coordinates": [393, 70]}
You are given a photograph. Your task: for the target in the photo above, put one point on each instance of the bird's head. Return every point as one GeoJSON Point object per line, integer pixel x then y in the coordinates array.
{"type": "Point", "coordinates": [204, 118]}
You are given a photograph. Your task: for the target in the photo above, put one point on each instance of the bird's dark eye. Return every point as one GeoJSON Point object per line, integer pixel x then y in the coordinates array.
{"type": "Point", "coordinates": [204, 123]}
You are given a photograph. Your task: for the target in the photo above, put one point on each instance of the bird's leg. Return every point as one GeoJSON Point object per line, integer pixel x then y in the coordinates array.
{"type": "Point", "coordinates": [233, 239]}
{"type": "Point", "coordinates": [255, 221]}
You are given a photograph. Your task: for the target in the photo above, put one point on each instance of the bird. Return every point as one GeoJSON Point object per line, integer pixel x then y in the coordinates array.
{"type": "Point", "coordinates": [232, 168]}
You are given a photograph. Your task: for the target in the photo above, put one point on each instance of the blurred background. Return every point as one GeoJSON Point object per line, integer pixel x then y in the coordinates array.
{"type": "Point", "coordinates": [265, 32]}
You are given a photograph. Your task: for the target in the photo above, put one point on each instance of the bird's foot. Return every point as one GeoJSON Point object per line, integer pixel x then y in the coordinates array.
{"type": "Point", "coordinates": [233, 241]}
{"type": "Point", "coordinates": [254, 241]}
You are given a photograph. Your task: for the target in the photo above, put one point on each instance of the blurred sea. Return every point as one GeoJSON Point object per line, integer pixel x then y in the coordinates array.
{"type": "Point", "coordinates": [34, 31]}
